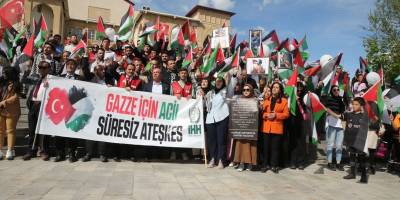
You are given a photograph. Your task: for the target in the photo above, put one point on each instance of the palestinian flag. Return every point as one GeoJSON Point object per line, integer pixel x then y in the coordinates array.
{"type": "Point", "coordinates": [303, 47]}
{"type": "Point", "coordinates": [100, 33]}
{"type": "Point", "coordinates": [312, 71]}
{"type": "Point", "coordinates": [79, 49]}
{"type": "Point", "coordinates": [271, 41]}
{"type": "Point", "coordinates": [186, 30]}
{"type": "Point", "coordinates": [261, 53]}
{"type": "Point", "coordinates": [329, 67]}
{"type": "Point", "coordinates": [188, 59]}
{"type": "Point", "coordinates": [18, 36]}
{"type": "Point", "coordinates": [210, 62]}
{"type": "Point", "coordinates": [220, 55]}
{"type": "Point", "coordinates": [284, 45]}
{"type": "Point", "coordinates": [248, 54]}
{"type": "Point", "coordinates": [318, 110]}
{"type": "Point", "coordinates": [29, 47]}
{"type": "Point", "coordinates": [374, 94]}
{"type": "Point", "coordinates": [177, 39]}
{"type": "Point", "coordinates": [298, 60]}
{"type": "Point", "coordinates": [193, 37]}
{"type": "Point", "coordinates": [126, 25]}
{"type": "Point", "coordinates": [232, 44]}
{"type": "Point", "coordinates": [6, 44]}
{"type": "Point", "coordinates": [290, 91]}
{"type": "Point", "coordinates": [40, 32]}
{"type": "Point", "coordinates": [285, 74]}
{"type": "Point", "coordinates": [228, 66]}
{"type": "Point", "coordinates": [83, 109]}
{"type": "Point", "coordinates": [236, 59]}
{"type": "Point", "coordinates": [363, 65]}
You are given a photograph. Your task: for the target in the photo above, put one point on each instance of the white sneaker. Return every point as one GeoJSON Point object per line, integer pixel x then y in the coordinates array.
{"type": "Point", "coordinates": [220, 165]}
{"type": "Point", "coordinates": [9, 155]}
{"type": "Point", "coordinates": [211, 164]}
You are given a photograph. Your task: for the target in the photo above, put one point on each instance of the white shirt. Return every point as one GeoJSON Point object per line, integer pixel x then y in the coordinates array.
{"type": "Point", "coordinates": [109, 55]}
{"type": "Point", "coordinates": [333, 121]}
{"type": "Point", "coordinates": [217, 106]}
{"type": "Point", "coordinates": [157, 88]}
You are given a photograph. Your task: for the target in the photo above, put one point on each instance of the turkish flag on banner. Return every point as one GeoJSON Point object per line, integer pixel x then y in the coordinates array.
{"type": "Point", "coordinates": [13, 11]}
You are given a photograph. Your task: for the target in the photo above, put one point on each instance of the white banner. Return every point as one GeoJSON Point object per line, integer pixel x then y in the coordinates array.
{"type": "Point", "coordinates": [91, 111]}
{"type": "Point", "coordinates": [221, 37]}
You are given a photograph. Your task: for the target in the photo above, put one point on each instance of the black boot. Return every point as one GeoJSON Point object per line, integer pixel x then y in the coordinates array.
{"type": "Point", "coordinates": [331, 166]}
{"type": "Point", "coordinates": [372, 170]}
{"type": "Point", "coordinates": [364, 176]}
{"type": "Point", "coordinates": [352, 173]}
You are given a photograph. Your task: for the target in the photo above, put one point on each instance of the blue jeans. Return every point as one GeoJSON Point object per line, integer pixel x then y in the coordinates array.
{"type": "Point", "coordinates": [334, 137]}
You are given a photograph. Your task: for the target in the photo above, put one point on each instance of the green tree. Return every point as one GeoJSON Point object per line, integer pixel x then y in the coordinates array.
{"type": "Point", "coordinates": [383, 42]}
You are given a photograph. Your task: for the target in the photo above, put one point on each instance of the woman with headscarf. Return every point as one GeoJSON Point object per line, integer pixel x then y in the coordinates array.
{"type": "Point", "coordinates": [246, 150]}
{"type": "Point", "coordinates": [335, 108]}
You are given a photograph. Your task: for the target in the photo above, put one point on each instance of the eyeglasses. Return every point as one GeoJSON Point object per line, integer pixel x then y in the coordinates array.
{"type": "Point", "coordinates": [246, 90]}
{"type": "Point", "coordinates": [42, 67]}
{"type": "Point", "coordinates": [335, 90]}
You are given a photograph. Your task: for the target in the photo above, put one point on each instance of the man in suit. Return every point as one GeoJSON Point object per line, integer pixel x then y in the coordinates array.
{"type": "Point", "coordinates": [62, 143]}
{"type": "Point", "coordinates": [156, 84]}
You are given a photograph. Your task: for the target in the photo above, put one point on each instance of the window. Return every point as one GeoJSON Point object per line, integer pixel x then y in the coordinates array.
{"type": "Point", "coordinates": [91, 34]}
{"type": "Point", "coordinates": [207, 18]}
{"type": "Point", "coordinates": [213, 20]}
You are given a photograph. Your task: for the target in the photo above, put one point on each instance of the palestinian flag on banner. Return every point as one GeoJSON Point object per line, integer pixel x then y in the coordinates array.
{"type": "Point", "coordinates": [79, 49]}
{"type": "Point", "coordinates": [6, 43]}
{"type": "Point", "coordinates": [40, 32]}
{"type": "Point", "coordinates": [177, 39]}
{"type": "Point", "coordinates": [82, 107]}
{"type": "Point", "coordinates": [318, 110]}
{"type": "Point", "coordinates": [100, 32]}
{"type": "Point", "coordinates": [290, 91]}
{"type": "Point", "coordinates": [188, 59]}
{"type": "Point", "coordinates": [303, 47]}
{"type": "Point", "coordinates": [374, 94]}
{"type": "Point", "coordinates": [271, 41]}
{"type": "Point", "coordinates": [29, 47]}
{"type": "Point", "coordinates": [126, 25]}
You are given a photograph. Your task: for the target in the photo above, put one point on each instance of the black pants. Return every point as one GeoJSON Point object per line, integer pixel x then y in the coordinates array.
{"type": "Point", "coordinates": [297, 145]}
{"type": "Point", "coordinates": [371, 157]}
{"type": "Point", "coordinates": [63, 143]}
{"type": "Point", "coordinates": [216, 138]}
{"type": "Point", "coordinates": [42, 140]}
{"type": "Point", "coordinates": [90, 145]}
{"type": "Point", "coordinates": [272, 148]}
{"type": "Point", "coordinates": [358, 158]}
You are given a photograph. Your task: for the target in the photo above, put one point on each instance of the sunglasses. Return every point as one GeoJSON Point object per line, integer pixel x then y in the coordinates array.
{"type": "Point", "coordinates": [246, 90]}
{"type": "Point", "coordinates": [43, 67]}
{"type": "Point", "coordinates": [335, 90]}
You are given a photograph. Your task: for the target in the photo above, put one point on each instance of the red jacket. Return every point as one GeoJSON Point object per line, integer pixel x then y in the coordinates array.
{"type": "Point", "coordinates": [184, 91]}
{"type": "Point", "coordinates": [134, 83]}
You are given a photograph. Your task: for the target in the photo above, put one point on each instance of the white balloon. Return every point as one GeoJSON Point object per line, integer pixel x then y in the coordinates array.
{"type": "Point", "coordinates": [325, 59]}
{"type": "Point", "coordinates": [372, 78]}
{"type": "Point", "coordinates": [110, 32]}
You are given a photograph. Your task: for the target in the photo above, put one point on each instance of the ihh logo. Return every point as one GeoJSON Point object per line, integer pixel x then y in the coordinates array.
{"type": "Point", "coordinates": [194, 129]}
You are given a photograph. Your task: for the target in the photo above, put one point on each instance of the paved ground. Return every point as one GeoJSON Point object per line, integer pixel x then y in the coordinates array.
{"type": "Point", "coordinates": [38, 179]}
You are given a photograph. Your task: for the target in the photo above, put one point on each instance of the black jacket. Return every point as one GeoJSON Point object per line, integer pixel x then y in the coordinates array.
{"type": "Point", "coordinates": [166, 88]}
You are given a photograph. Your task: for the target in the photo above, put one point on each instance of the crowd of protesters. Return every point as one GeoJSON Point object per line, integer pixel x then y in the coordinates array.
{"type": "Point", "coordinates": [284, 139]}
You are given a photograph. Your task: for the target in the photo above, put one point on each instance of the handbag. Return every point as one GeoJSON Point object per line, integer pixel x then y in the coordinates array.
{"type": "Point", "coordinates": [382, 150]}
